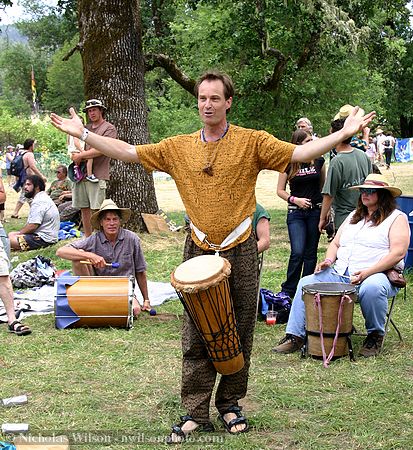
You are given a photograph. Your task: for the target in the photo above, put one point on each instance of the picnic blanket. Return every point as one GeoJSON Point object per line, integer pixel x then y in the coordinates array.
{"type": "Point", "coordinates": [41, 300]}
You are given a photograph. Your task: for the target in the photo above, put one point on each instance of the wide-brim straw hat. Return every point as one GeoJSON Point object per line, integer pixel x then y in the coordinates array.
{"type": "Point", "coordinates": [109, 205]}
{"type": "Point", "coordinates": [345, 111]}
{"type": "Point", "coordinates": [379, 131]}
{"type": "Point", "coordinates": [377, 181]}
{"type": "Point", "coordinates": [94, 103]}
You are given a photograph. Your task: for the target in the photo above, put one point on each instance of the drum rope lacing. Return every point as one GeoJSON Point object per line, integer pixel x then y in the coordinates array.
{"type": "Point", "coordinates": [222, 343]}
{"type": "Point", "coordinates": [317, 303]}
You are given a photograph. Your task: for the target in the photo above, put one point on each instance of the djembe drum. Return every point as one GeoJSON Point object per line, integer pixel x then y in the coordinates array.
{"type": "Point", "coordinates": [329, 317]}
{"type": "Point", "coordinates": [94, 301]}
{"type": "Point", "coordinates": [203, 288]}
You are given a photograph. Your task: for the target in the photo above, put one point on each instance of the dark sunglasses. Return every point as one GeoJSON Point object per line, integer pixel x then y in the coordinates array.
{"type": "Point", "coordinates": [93, 103]}
{"type": "Point", "coordinates": [368, 191]}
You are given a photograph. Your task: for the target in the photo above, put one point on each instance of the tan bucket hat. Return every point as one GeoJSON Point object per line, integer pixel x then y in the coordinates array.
{"type": "Point", "coordinates": [377, 181]}
{"type": "Point", "coordinates": [94, 103]}
{"type": "Point", "coordinates": [109, 205]}
{"type": "Point", "coordinates": [346, 110]}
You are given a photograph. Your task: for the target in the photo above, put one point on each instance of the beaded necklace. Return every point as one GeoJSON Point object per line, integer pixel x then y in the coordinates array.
{"type": "Point", "coordinates": [210, 161]}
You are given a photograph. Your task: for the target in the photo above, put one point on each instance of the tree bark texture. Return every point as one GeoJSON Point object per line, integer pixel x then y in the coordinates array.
{"type": "Point", "coordinates": [406, 126]}
{"type": "Point", "coordinates": [114, 68]}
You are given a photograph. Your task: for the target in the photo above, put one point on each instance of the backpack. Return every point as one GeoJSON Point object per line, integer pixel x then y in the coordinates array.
{"type": "Point", "coordinates": [17, 165]}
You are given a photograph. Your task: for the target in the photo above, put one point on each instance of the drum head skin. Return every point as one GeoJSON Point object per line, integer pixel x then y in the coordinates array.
{"type": "Point", "coordinates": [329, 288]}
{"type": "Point", "coordinates": [200, 272]}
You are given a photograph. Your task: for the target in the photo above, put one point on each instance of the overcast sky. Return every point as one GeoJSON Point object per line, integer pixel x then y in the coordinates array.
{"type": "Point", "coordinates": [16, 12]}
{"type": "Point", "coordinates": [12, 14]}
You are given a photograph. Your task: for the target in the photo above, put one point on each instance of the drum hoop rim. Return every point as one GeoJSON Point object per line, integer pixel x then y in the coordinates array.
{"type": "Point", "coordinates": [308, 290]}
{"type": "Point", "coordinates": [205, 284]}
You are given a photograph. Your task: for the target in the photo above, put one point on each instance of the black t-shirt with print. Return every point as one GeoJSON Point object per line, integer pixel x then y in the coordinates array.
{"type": "Point", "coordinates": [306, 183]}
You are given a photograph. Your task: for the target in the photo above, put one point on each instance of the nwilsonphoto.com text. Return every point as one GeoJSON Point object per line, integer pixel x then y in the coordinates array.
{"type": "Point", "coordinates": [109, 438]}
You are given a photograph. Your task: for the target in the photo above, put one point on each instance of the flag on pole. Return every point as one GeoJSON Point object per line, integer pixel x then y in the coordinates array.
{"type": "Point", "coordinates": [34, 93]}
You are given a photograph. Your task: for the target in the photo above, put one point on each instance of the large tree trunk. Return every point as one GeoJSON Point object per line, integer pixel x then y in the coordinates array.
{"type": "Point", "coordinates": [406, 126]}
{"type": "Point", "coordinates": [113, 66]}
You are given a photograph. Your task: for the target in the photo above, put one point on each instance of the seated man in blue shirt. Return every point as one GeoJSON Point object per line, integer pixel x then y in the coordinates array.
{"type": "Point", "coordinates": [110, 244]}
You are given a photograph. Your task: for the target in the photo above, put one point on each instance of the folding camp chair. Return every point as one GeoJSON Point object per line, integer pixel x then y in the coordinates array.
{"type": "Point", "coordinates": [389, 320]}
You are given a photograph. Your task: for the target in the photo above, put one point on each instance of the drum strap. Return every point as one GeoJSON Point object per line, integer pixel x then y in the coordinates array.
{"type": "Point", "coordinates": [317, 300]}
{"type": "Point", "coordinates": [232, 237]}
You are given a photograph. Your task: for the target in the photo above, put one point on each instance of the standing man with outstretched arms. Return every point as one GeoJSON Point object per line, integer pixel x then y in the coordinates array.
{"type": "Point", "coordinates": [215, 170]}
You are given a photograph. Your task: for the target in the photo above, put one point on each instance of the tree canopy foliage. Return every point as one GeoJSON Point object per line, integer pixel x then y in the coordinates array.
{"type": "Point", "coordinates": [288, 58]}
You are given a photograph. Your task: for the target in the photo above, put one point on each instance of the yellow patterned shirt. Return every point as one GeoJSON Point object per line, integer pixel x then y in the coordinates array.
{"type": "Point", "coordinates": [217, 204]}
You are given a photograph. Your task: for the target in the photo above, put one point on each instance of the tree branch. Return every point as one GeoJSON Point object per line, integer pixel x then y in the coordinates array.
{"type": "Point", "coordinates": [308, 50]}
{"type": "Point", "coordinates": [78, 47]}
{"type": "Point", "coordinates": [153, 60]}
{"type": "Point", "coordinates": [274, 82]}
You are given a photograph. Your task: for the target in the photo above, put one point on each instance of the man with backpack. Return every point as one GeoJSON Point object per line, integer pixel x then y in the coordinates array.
{"type": "Point", "coordinates": [23, 165]}
{"type": "Point", "coordinates": [388, 145]}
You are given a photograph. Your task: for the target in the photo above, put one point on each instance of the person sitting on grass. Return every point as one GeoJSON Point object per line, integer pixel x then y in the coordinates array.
{"type": "Point", "coordinates": [112, 243]}
{"type": "Point", "coordinates": [61, 188]}
{"type": "Point", "coordinates": [374, 238]}
{"type": "Point", "coordinates": [42, 227]}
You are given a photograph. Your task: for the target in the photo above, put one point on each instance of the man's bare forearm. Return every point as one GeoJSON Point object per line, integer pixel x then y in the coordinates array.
{"type": "Point", "coordinates": [114, 148]}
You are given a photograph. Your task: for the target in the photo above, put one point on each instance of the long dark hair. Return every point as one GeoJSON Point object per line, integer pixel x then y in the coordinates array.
{"type": "Point", "coordinates": [386, 204]}
{"type": "Point", "coordinates": [297, 138]}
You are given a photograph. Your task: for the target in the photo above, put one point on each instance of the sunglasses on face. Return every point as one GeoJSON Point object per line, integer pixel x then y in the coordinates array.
{"type": "Point", "coordinates": [368, 191]}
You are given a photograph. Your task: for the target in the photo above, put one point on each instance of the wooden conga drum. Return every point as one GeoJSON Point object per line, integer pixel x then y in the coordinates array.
{"type": "Point", "coordinates": [203, 288]}
{"type": "Point", "coordinates": [94, 301]}
{"type": "Point", "coordinates": [328, 318]}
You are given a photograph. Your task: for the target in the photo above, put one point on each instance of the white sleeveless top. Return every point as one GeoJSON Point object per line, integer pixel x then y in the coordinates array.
{"type": "Point", "coordinates": [362, 244]}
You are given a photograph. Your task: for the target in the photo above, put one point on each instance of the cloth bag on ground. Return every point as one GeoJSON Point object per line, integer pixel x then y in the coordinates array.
{"type": "Point", "coordinates": [35, 272]}
{"type": "Point", "coordinates": [269, 300]}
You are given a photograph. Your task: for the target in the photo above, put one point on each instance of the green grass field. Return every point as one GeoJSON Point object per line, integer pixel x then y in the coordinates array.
{"type": "Point", "coordinates": [112, 388]}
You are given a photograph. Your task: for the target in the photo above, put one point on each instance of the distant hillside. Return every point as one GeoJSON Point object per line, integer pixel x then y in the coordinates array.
{"type": "Point", "coordinates": [11, 34]}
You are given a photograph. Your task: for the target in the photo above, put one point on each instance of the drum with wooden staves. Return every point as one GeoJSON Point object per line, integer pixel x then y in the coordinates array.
{"type": "Point", "coordinates": [203, 288]}
{"type": "Point", "coordinates": [329, 317]}
{"type": "Point", "coordinates": [94, 301]}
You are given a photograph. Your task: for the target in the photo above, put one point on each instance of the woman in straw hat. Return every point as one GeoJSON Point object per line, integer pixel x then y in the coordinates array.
{"type": "Point", "coordinates": [374, 238]}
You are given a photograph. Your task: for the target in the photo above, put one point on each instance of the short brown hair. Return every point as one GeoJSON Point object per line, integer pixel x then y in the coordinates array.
{"type": "Point", "coordinates": [337, 125]}
{"type": "Point", "coordinates": [216, 75]}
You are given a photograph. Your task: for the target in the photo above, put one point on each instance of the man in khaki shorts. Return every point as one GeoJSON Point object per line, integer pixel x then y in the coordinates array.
{"type": "Point", "coordinates": [87, 195]}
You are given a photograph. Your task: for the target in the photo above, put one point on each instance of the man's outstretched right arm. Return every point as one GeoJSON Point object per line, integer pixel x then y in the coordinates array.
{"type": "Point", "coordinates": [114, 148]}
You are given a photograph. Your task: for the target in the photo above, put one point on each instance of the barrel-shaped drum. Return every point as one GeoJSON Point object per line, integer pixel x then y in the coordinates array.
{"type": "Point", "coordinates": [324, 300]}
{"type": "Point", "coordinates": [203, 288]}
{"type": "Point", "coordinates": [94, 301]}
